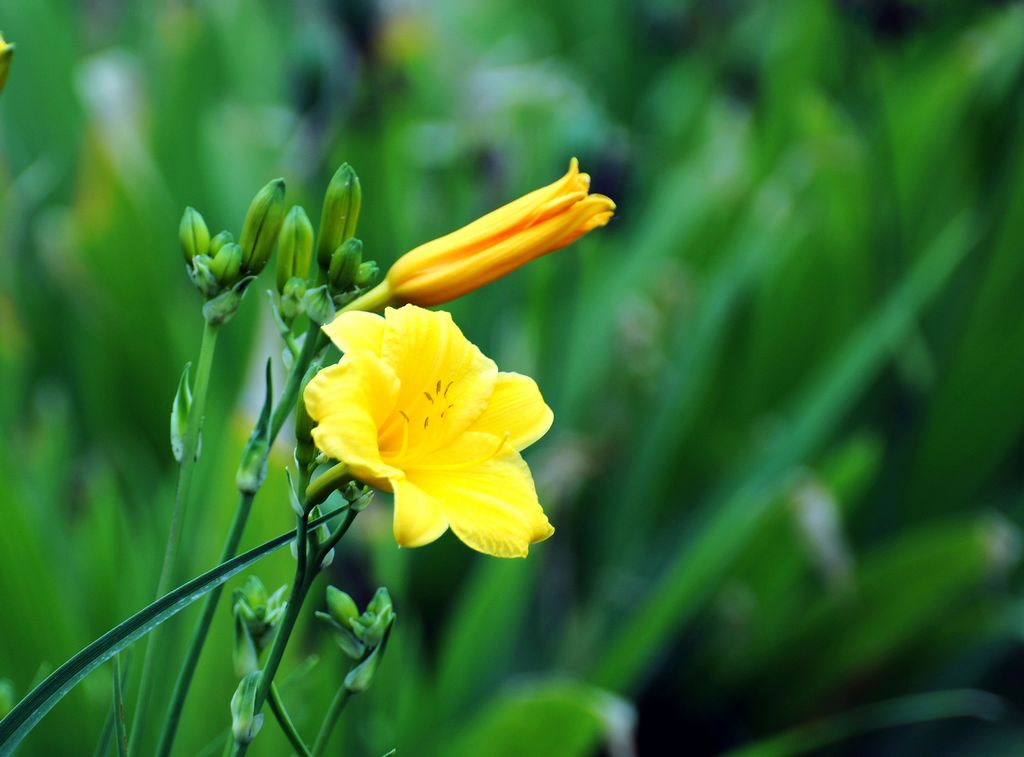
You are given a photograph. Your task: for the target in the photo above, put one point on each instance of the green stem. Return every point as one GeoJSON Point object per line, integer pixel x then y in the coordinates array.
{"type": "Point", "coordinates": [189, 457]}
{"type": "Point", "coordinates": [333, 713]}
{"type": "Point", "coordinates": [284, 407]}
{"type": "Point", "coordinates": [300, 587]}
{"type": "Point", "coordinates": [285, 721]}
{"type": "Point", "coordinates": [305, 572]}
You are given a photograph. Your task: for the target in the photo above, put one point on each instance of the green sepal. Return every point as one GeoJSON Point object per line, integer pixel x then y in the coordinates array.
{"type": "Point", "coordinates": [180, 409]}
{"type": "Point", "coordinates": [345, 639]}
{"type": "Point", "coordinates": [221, 308]}
{"type": "Point", "coordinates": [201, 273]}
{"type": "Point", "coordinates": [318, 305]}
{"type": "Point", "coordinates": [360, 677]}
{"type": "Point", "coordinates": [252, 470]}
{"type": "Point", "coordinates": [245, 721]}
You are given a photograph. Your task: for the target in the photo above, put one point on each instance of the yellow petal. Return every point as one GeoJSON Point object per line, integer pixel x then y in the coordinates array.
{"type": "Point", "coordinates": [418, 519]}
{"type": "Point", "coordinates": [349, 401]}
{"type": "Point", "coordinates": [516, 409]}
{"type": "Point", "coordinates": [446, 382]}
{"type": "Point", "coordinates": [356, 330]}
{"type": "Point", "coordinates": [489, 502]}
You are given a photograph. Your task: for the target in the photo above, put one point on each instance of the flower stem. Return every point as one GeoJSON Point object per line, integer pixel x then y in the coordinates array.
{"type": "Point", "coordinates": [333, 713]}
{"type": "Point", "coordinates": [284, 407]}
{"type": "Point", "coordinates": [189, 457]}
{"type": "Point", "coordinates": [300, 587]}
{"type": "Point", "coordinates": [285, 721]}
{"type": "Point", "coordinates": [306, 571]}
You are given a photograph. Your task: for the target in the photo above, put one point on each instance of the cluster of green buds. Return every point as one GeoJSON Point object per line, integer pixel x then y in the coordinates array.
{"type": "Point", "coordinates": [256, 615]}
{"type": "Point", "coordinates": [221, 268]}
{"type": "Point", "coordinates": [362, 636]}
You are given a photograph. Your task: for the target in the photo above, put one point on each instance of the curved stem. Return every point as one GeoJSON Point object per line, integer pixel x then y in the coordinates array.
{"type": "Point", "coordinates": [330, 719]}
{"type": "Point", "coordinates": [285, 721]}
{"type": "Point", "coordinates": [284, 407]}
{"type": "Point", "coordinates": [188, 461]}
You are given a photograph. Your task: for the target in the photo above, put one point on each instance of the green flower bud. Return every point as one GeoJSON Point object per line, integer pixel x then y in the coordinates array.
{"type": "Point", "coordinates": [261, 227]}
{"type": "Point", "coordinates": [294, 247]}
{"type": "Point", "coordinates": [347, 640]}
{"type": "Point", "coordinates": [345, 265]}
{"type": "Point", "coordinates": [203, 276]}
{"type": "Point", "coordinates": [6, 697]}
{"type": "Point", "coordinates": [6, 56]}
{"type": "Point", "coordinates": [222, 238]}
{"type": "Point", "coordinates": [318, 305]}
{"type": "Point", "coordinates": [367, 273]}
{"type": "Point", "coordinates": [227, 264]}
{"type": "Point", "coordinates": [340, 213]}
{"type": "Point", "coordinates": [193, 234]}
{"type": "Point", "coordinates": [245, 721]}
{"type": "Point", "coordinates": [180, 409]}
{"type": "Point", "coordinates": [341, 606]}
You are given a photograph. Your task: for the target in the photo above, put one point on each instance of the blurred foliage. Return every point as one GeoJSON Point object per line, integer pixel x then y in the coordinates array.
{"type": "Point", "coordinates": [786, 379]}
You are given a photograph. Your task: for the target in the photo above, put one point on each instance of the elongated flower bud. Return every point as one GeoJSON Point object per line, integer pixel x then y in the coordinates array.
{"type": "Point", "coordinates": [261, 227]}
{"type": "Point", "coordinates": [543, 221]}
{"type": "Point", "coordinates": [294, 247]}
{"type": "Point", "coordinates": [342, 201]}
{"type": "Point", "coordinates": [193, 235]}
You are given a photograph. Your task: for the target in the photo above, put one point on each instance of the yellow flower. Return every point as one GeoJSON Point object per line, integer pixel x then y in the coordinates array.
{"type": "Point", "coordinates": [415, 408]}
{"type": "Point", "coordinates": [543, 221]}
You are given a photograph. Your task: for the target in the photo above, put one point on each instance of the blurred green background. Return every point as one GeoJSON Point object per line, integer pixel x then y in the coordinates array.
{"type": "Point", "coordinates": [787, 379]}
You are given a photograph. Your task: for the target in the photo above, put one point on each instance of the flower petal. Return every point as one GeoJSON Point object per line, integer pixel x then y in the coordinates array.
{"type": "Point", "coordinates": [517, 409]}
{"type": "Point", "coordinates": [418, 519]}
{"type": "Point", "coordinates": [356, 330]}
{"type": "Point", "coordinates": [489, 501]}
{"type": "Point", "coordinates": [349, 401]}
{"type": "Point", "coordinates": [446, 382]}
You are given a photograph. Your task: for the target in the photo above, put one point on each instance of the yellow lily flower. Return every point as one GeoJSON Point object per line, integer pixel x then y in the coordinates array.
{"type": "Point", "coordinates": [543, 221]}
{"type": "Point", "coordinates": [414, 408]}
